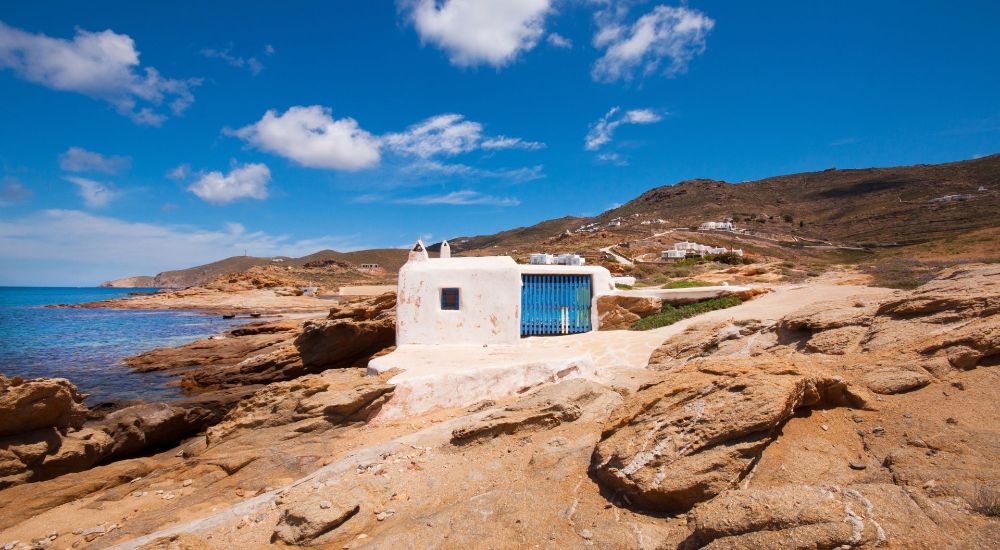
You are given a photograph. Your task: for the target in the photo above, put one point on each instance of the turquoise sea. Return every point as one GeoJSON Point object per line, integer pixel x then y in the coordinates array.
{"type": "Point", "coordinates": [87, 345]}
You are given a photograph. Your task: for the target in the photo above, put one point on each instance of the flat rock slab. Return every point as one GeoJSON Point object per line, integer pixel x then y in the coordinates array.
{"type": "Point", "coordinates": [303, 522]}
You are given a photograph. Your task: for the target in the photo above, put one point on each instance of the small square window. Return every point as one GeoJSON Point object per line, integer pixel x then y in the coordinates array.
{"type": "Point", "coordinates": [449, 298]}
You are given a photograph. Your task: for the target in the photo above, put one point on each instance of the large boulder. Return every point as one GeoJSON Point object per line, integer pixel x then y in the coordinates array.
{"type": "Point", "coordinates": [27, 405]}
{"type": "Point", "coordinates": [364, 310]}
{"type": "Point", "coordinates": [343, 343]}
{"type": "Point", "coordinates": [698, 431]}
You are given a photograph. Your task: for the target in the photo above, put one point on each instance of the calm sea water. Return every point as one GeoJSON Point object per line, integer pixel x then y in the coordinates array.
{"type": "Point", "coordinates": [87, 345]}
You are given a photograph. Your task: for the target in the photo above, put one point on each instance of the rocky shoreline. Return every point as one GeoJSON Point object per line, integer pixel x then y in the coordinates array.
{"type": "Point", "coordinates": [860, 423]}
{"type": "Point", "coordinates": [47, 431]}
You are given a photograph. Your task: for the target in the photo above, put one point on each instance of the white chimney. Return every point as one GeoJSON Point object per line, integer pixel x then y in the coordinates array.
{"type": "Point", "coordinates": [445, 249]}
{"type": "Point", "coordinates": [418, 253]}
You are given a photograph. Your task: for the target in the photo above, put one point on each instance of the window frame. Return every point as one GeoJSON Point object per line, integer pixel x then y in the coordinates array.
{"type": "Point", "coordinates": [457, 306]}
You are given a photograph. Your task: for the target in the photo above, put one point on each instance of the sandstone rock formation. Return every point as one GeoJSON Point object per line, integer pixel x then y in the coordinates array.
{"type": "Point", "coordinates": [617, 312]}
{"type": "Point", "coordinates": [699, 430]}
{"type": "Point", "coordinates": [312, 403]}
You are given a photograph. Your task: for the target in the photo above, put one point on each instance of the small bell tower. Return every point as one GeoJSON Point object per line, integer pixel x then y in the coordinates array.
{"type": "Point", "coordinates": [445, 250]}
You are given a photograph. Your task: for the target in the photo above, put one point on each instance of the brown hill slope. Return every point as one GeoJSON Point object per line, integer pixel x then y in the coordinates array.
{"type": "Point", "coordinates": [872, 207]}
{"type": "Point", "coordinates": [389, 259]}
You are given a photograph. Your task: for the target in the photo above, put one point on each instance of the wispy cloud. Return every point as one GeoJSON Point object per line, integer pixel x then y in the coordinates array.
{"type": "Point", "coordinates": [559, 41]}
{"type": "Point", "coordinates": [251, 63]}
{"type": "Point", "coordinates": [513, 175]}
{"type": "Point", "coordinates": [449, 135]}
{"type": "Point", "coordinates": [612, 158]}
{"type": "Point", "coordinates": [666, 38]}
{"type": "Point", "coordinates": [78, 159]}
{"type": "Point", "coordinates": [93, 248]}
{"type": "Point", "coordinates": [460, 198]}
{"type": "Point", "coordinates": [844, 141]}
{"type": "Point", "coordinates": [603, 130]}
{"type": "Point", "coordinates": [12, 191]}
{"type": "Point", "coordinates": [94, 193]}
{"type": "Point", "coordinates": [103, 65]}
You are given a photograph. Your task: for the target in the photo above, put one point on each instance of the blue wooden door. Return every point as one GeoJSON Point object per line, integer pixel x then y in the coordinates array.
{"type": "Point", "coordinates": [555, 304]}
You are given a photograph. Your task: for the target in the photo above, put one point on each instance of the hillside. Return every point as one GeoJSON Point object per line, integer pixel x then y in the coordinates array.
{"type": "Point", "coordinates": [315, 265]}
{"type": "Point", "coordinates": [943, 209]}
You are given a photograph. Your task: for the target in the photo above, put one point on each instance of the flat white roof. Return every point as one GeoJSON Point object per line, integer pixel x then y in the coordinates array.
{"type": "Point", "coordinates": [463, 263]}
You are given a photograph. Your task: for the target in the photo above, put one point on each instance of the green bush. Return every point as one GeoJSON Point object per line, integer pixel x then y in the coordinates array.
{"type": "Point", "coordinates": [671, 314]}
{"type": "Point", "coordinates": [729, 258]}
{"type": "Point", "coordinates": [687, 284]}
{"type": "Point", "coordinates": [621, 286]}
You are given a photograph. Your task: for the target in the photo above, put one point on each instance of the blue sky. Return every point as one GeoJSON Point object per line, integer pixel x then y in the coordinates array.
{"type": "Point", "coordinates": [140, 138]}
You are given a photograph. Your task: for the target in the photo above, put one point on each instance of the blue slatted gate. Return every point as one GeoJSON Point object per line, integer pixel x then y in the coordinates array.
{"type": "Point", "coordinates": [555, 304]}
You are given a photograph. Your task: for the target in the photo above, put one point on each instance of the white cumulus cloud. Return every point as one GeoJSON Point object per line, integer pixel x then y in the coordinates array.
{"type": "Point", "coordinates": [248, 181]}
{"type": "Point", "coordinates": [667, 35]}
{"type": "Point", "coordinates": [311, 137]}
{"type": "Point", "coordinates": [603, 130]}
{"type": "Point", "coordinates": [102, 65]}
{"type": "Point", "coordinates": [78, 159]}
{"type": "Point", "coordinates": [473, 32]}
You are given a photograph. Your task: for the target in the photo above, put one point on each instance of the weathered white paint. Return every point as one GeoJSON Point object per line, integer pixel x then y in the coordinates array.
{"type": "Point", "coordinates": [489, 301]}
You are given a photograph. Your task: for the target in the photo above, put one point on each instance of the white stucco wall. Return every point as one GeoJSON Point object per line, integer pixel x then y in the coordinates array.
{"type": "Point", "coordinates": [489, 302]}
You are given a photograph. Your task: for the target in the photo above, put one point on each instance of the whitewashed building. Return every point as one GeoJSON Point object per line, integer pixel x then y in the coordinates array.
{"type": "Point", "coordinates": [716, 226]}
{"type": "Point", "coordinates": [492, 300]}
{"type": "Point", "coordinates": [687, 248]}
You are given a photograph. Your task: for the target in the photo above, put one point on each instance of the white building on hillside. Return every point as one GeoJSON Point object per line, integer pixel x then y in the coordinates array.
{"type": "Point", "coordinates": [686, 248]}
{"type": "Point", "coordinates": [716, 226]}
{"type": "Point", "coordinates": [492, 300]}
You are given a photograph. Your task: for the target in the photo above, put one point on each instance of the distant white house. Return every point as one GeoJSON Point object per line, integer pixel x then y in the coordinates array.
{"type": "Point", "coordinates": [369, 267]}
{"type": "Point", "coordinates": [687, 248]}
{"type": "Point", "coordinates": [492, 300]}
{"type": "Point", "coordinates": [716, 226]}
{"type": "Point", "coordinates": [560, 259]}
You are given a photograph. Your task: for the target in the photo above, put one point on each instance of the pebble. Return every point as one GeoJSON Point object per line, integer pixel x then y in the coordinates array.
{"type": "Point", "coordinates": [951, 420]}
{"type": "Point", "coordinates": [325, 504]}
{"type": "Point", "coordinates": [878, 431]}
{"type": "Point", "coordinates": [586, 534]}
{"type": "Point", "coordinates": [187, 482]}
{"type": "Point", "coordinates": [857, 419]}
{"type": "Point", "coordinates": [907, 415]}
{"type": "Point", "coordinates": [10, 545]}
{"type": "Point", "coordinates": [958, 385]}
{"type": "Point", "coordinates": [159, 491]}
{"type": "Point", "coordinates": [362, 536]}
{"type": "Point", "coordinates": [168, 496]}
{"type": "Point", "coordinates": [98, 530]}
{"type": "Point", "coordinates": [825, 427]}
{"type": "Point", "coordinates": [139, 494]}
{"type": "Point", "coordinates": [858, 465]}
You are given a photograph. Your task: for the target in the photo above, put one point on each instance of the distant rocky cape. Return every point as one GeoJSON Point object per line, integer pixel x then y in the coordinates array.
{"type": "Point", "coordinates": [139, 281]}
